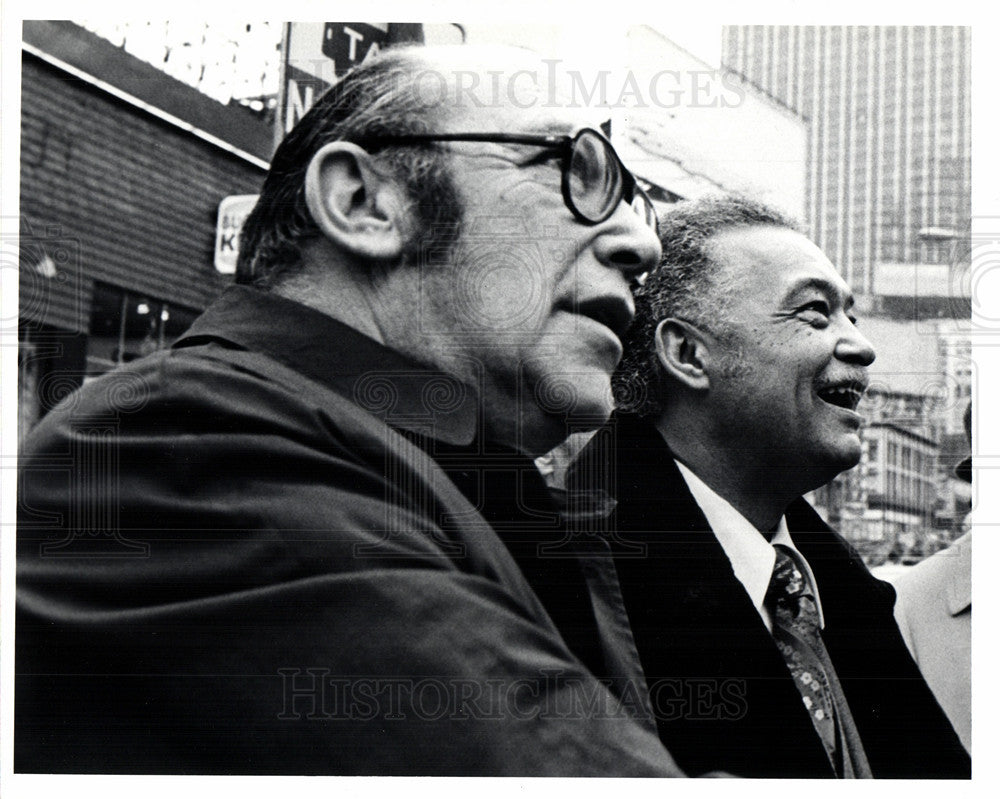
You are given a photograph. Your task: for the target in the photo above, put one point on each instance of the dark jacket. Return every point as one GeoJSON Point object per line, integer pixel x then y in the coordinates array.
{"type": "Point", "coordinates": [720, 689]}
{"type": "Point", "coordinates": [243, 555]}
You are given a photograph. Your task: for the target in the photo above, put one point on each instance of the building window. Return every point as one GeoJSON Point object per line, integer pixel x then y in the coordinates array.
{"type": "Point", "coordinates": [126, 325]}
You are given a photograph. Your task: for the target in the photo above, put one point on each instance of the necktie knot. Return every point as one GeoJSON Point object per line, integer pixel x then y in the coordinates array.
{"type": "Point", "coordinates": [788, 594]}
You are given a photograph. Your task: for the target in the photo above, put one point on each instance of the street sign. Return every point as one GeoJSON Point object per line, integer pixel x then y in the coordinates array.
{"type": "Point", "coordinates": [233, 211]}
{"type": "Point", "coordinates": [318, 54]}
{"type": "Point", "coordinates": [350, 43]}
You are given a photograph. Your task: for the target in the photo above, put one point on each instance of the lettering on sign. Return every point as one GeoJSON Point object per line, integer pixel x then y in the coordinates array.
{"type": "Point", "coordinates": [350, 43]}
{"type": "Point", "coordinates": [299, 98]}
{"type": "Point", "coordinates": [233, 211]}
{"type": "Point", "coordinates": [319, 54]}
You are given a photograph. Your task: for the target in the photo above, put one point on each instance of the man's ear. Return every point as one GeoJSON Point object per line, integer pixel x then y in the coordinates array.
{"type": "Point", "coordinates": [681, 349]}
{"type": "Point", "coordinates": [354, 205]}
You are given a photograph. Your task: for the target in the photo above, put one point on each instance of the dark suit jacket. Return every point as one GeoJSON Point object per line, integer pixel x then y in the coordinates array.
{"type": "Point", "coordinates": [234, 558]}
{"type": "Point", "coordinates": [720, 689]}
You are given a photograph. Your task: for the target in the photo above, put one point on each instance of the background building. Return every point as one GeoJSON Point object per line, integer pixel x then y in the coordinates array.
{"type": "Point", "coordinates": [122, 172]}
{"type": "Point", "coordinates": [707, 130]}
{"type": "Point", "coordinates": [685, 127]}
{"type": "Point", "coordinates": [889, 163]}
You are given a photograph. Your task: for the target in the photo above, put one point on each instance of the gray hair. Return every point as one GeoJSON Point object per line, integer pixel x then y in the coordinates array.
{"type": "Point", "coordinates": [684, 285]}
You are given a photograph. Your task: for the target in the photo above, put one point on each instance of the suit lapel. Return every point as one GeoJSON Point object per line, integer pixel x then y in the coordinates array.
{"type": "Point", "coordinates": [696, 630]}
{"type": "Point", "coordinates": [904, 730]}
{"type": "Point", "coordinates": [683, 588]}
{"type": "Point", "coordinates": [857, 607]}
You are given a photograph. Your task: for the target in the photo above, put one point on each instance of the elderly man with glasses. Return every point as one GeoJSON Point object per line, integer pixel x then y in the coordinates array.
{"type": "Point", "coordinates": [324, 547]}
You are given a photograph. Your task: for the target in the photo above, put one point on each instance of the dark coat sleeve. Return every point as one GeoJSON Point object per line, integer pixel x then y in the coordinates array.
{"type": "Point", "coordinates": [229, 573]}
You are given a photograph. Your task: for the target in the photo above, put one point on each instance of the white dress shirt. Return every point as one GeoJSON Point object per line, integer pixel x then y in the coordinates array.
{"type": "Point", "coordinates": [750, 553]}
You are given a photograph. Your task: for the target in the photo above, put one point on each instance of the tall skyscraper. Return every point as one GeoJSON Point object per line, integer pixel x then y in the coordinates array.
{"type": "Point", "coordinates": [888, 176]}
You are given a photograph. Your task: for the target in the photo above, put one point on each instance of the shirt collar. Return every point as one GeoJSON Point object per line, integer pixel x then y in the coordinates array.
{"type": "Point", "coordinates": [752, 556]}
{"type": "Point", "coordinates": [404, 393]}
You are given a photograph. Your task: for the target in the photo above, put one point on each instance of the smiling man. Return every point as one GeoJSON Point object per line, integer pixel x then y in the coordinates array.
{"type": "Point", "coordinates": [310, 542]}
{"type": "Point", "coordinates": [769, 649]}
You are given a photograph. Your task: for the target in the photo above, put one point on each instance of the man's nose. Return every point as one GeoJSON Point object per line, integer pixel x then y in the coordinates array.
{"type": "Point", "coordinates": [627, 243]}
{"type": "Point", "coordinates": [853, 347]}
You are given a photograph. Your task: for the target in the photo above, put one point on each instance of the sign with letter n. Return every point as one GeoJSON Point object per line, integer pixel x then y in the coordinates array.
{"type": "Point", "coordinates": [318, 54]}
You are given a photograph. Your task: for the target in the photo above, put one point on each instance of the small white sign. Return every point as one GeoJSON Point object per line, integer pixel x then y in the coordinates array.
{"type": "Point", "coordinates": [233, 210]}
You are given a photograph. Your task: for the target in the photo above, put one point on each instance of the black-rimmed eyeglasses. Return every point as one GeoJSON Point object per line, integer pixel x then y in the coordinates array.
{"type": "Point", "coordinates": [594, 179]}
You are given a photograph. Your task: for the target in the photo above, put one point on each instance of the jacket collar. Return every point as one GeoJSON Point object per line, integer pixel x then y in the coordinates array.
{"type": "Point", "coordinates": [958, 590]}
{"type": "Point", "coordinates": [402, 392]}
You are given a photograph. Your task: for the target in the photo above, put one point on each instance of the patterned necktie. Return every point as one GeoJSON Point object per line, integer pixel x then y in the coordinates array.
{"type": "Point", "coordinates": [796, 631]}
